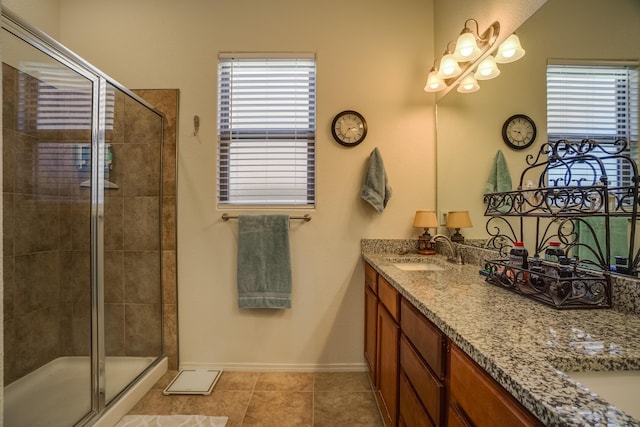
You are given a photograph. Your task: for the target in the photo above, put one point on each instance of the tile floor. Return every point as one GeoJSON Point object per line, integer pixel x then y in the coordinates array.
{"type": "Point", "coordinates": [274, 399]}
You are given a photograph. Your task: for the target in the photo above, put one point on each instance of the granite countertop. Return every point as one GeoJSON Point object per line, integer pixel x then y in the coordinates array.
{"type": "Point", "coordinates": [524, 345]}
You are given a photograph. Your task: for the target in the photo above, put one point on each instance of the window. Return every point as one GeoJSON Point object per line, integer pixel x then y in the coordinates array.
{"type": "Point", "coordinates": [266, 130]}
{"type": "Point", "coordinates": [598, 102]}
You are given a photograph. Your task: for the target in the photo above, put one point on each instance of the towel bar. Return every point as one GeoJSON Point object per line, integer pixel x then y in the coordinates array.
{"type": "Point", "coordinates": [305, 217]}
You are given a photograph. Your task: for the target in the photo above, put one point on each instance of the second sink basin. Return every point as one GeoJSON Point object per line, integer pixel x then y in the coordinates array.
{"type": "Point", "coordinates": [620, 388]}
{"type": "Point", "coordinates": [418, 266]}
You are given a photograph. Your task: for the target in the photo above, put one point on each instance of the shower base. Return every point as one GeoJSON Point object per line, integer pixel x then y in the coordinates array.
{"type": "Point", "coordinates": [59, 393]}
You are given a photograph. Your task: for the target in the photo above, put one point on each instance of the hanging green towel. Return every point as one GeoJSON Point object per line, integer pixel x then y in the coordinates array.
{"type": "Point", "coordinates": [499, 177]}
{"type": "Point", "coordinates": [618, 238]}
{"type": "Point", "coordinates": [376, 190]}
{"type": "Point", "coordinates": [264, 261]}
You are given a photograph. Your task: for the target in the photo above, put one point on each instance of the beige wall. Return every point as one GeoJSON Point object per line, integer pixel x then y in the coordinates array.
{"type": "Point", "coordinates": [372, 57]}
{"type": "Point", "coordinates": [470, 125]}
{"type": "Point", "coordinates": [43, 14]}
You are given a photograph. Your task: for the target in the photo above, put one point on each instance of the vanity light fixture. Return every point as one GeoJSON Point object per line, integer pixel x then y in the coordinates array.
{"type": "Point", "coordinates": [510, 50]}
{"type": "Point", "coordinates": [472, 60]}
{"type": "Point", "coordinates": [468, 85]}
{"type": "Point", "coordinates": [434, 83]}
{"type": "Point", "coordinates": [449, 67]}
{"type": "Point", "coordinates": [467, 48]}
{"type": "Point", "coordinates": [487, 69]}
{"type": "Point", "coordinates": [426, 220]}
{"type": "Point", "coordinates": [458, 220]}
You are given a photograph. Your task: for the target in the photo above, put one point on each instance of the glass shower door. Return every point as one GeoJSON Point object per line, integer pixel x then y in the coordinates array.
{"type": "Point", "coordinates": [47, 159]}
{"type": "Point", "coordinates": [132, 244]}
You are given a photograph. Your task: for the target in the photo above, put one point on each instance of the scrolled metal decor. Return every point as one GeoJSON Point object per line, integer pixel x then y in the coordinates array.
{"type": "Point", "coordinates": [560, 201]}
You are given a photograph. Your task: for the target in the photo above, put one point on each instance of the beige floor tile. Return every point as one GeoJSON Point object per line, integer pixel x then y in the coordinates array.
{"type": "Point", "coordinates": [156, 403]}
{"type": "Point", "coordinates": [164, 381]}
{"type": "Point", "coordinates": [356, 408]}
{"type": "Point", "coordinates": [283, 381]}
{"type": "Point", "coordinates": [341, 381]}
{"type": "Point", "coordinates": [279, 409]}
{"type": "Point", "coordinates": [275, 399]}
{"type": "Point", "coordinates": [229, 403]}
{"type": "Point", "coordinates": [230, 380]}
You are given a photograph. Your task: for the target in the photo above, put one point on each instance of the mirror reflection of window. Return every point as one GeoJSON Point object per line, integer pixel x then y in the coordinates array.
{"type": "Point", "coordinates": [597, 101]}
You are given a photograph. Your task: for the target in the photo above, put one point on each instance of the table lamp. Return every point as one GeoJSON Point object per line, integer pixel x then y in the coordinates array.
{"type": "Point", "coordinates": [458, 220]}
{"type": "Point", "coordinates": [426, 220]}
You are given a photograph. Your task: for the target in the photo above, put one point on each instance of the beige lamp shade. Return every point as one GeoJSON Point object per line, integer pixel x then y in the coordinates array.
{"type": "Point", "coordinates": [458, 219]}
{"type": "Point", "coordinates": [425, 219]}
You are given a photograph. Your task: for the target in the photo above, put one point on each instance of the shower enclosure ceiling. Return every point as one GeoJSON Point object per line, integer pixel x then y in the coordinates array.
{"type": "Point", "coordinates": [81, 234]}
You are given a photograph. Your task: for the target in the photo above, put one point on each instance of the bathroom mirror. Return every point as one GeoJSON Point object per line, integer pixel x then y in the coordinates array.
{"type": "Point", "coordinates": [469, 125]}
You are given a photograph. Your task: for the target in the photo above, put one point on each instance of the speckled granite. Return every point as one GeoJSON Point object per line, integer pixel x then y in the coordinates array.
{"type": "Point", "coordinates": [522, 344]}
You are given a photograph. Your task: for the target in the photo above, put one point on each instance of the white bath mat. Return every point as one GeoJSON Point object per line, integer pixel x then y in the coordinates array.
{"type": "Point", "coordinates": [193, 382]}
{"type": "Point", "coordinates": [171, 421]}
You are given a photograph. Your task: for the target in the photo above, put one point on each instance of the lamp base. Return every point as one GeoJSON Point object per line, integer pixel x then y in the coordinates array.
{"type": "Point", "coordinates": [426, 252]}
{"type": "Point", "coordinates": [457, 237]}
{"type": "Point", "coordinates": [425, 247]}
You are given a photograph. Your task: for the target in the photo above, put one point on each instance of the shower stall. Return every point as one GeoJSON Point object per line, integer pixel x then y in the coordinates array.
{"type": "Point", "coordinates": [81, 219]}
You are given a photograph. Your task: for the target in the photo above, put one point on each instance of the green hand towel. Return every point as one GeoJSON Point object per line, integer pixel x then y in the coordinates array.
{"type": "Point", "coordinates": [264, 261]}
{"type": "Point", "coordinates": [618, 238]}
{"type": "Point", "coordinates": [499, 177]}
{"type": "Point", "coordinates": [376, 190]}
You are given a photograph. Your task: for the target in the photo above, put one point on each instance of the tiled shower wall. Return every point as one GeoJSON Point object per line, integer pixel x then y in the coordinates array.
{"type": "Point", "coordinates": [46, 223]}
{"type": "Point", "coordinates": [166, 101]}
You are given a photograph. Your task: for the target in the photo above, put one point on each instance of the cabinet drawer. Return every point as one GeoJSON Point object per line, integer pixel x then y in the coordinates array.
{"type": "Point", "coordinates": [429, 389]}
{"type": "Point", "coordinates": [411, 412]}
{"type": "Point", "coordinates": [426, 337]}
{"type": "Point", "coordinates": [370, 277]}
{"type": "Point", "coordinates": [389, 296]}
{"type": "Point", "coordinates": [483, 401]}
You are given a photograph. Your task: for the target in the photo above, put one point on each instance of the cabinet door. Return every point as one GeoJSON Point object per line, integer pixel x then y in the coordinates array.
{"type": "Point", "coordinates": [387, 360]}
{"type": "Point", "coordinates": [370, 330]}
{"type": "Point", "coordinates": [412, 413]}
{"type": "Point", "coordinates": [482, 400]}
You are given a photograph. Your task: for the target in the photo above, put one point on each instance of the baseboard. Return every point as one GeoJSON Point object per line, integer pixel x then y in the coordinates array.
{"type": "Point", "coordinates": [279, 367]}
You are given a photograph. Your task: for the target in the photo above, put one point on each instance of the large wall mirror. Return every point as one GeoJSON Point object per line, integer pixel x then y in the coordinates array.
{"type": "Point", "coordinates": [469, 125]}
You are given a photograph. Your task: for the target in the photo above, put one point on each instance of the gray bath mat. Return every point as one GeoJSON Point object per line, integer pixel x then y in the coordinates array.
{"type": "Point", "coordinates": [193, 382]}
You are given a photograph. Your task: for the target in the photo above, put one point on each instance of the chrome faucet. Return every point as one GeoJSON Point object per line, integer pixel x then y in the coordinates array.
{"type": "Point", "coordinates": [455, 256]}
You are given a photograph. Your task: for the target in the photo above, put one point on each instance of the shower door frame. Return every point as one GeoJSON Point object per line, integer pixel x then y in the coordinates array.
{"type": "Point", "coordinates": [44, 43]}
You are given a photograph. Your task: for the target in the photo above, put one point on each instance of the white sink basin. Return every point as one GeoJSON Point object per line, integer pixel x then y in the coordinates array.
{"type": "Point", "coordinates": [418, 266]}
{"type": "Point", "coordinates": [620, 388]}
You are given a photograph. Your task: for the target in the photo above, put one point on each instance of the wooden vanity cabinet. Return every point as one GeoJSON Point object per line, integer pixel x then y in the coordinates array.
{"type": "Point", "coordinates": [422, 357]}
{"type": "Point", "coordinates": [387, 351]}
{"type": "Point", "coordinates": [419, 377]}
{"type": "Point", "coordinates": [381, 338]}
{"type": "Point", "coordinates": [476, 399]}
{"type": "Point", "coordinates": [370, 320]}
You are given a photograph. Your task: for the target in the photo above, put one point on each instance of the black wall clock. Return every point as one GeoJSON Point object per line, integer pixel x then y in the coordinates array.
{"type": "Point", "coordinates": [349, 128]}
{"type": "Point", "coordinates": [519, 131]}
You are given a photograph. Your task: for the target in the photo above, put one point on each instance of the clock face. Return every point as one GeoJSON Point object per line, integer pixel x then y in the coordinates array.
{"type": "Point", "coordinates": [349, 128]}
{"type": "Point", "coordinates": [519, 131]}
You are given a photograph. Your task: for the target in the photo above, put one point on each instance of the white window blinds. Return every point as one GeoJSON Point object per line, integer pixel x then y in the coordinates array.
{"type": "Point", "coordinates": [266, 130]}
{"type": "Point", "coordinates": [598, 102]}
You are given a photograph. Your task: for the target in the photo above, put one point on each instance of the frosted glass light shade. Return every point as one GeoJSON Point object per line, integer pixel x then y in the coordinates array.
{"type": "Point", "coordinates": [449, 67]}
{"type": "Point", "coordinates": [425, 219]}
{"type": "Point", "coordinates": [434, 83]}
{"type": "Point", "coordinates": [468, 85]}
{"type": "Point", "coordinates": [510, 50]}
{"type": "Point", "coordinates": [487, 69]}
{"type": "Point", "coordinates": [466, 48]}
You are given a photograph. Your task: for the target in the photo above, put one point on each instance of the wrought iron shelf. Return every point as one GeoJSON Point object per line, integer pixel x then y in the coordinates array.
{"type": "Point", "coordinates": [563, 205]}
{"type": "Point", "coordinates": [582, 290]}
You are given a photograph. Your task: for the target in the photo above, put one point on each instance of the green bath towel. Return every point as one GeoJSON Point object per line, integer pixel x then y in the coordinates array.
{"type": "Point", "coordinates": [376, 189]}
{"type": "Point", "coordinates": [264, 261]}
{"type": "Point", "coordinates": [499, 177]}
